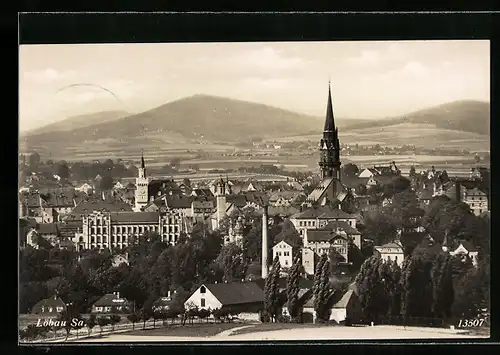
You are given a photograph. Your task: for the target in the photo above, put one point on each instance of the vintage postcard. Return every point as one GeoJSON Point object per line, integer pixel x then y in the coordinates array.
{"type": "Point", "coordinates": [254, 191]}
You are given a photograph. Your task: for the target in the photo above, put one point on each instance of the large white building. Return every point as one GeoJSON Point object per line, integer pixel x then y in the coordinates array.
{"type": "Point", "coordinates": [109, 230]}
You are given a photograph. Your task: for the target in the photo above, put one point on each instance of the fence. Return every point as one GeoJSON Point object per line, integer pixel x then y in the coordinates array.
{"type": "Point", "coordinates": [59, 335]}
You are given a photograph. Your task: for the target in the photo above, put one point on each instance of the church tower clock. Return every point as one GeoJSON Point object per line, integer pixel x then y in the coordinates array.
{"type": "Point", "coordinates": [141, 187]}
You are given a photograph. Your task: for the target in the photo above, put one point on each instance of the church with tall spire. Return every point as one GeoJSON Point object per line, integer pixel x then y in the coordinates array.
{"type": "Point", "coordinates": [330, 190]}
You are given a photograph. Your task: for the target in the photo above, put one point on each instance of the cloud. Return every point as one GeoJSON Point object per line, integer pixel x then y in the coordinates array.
{"type": "Point", "coordinates": [267, 84]}
{"type": "Point", "coordinates": [267, 58]}
{"type": "Point", "coordinates": [415, 70]}
{"type": "Point", "coordinates": [48, 75]}
{"type": "Point", "coordinates": [367, 57]}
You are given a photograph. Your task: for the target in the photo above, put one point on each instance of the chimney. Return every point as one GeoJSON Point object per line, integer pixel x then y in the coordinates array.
{"type": "Point", "coordinates": [118, 295]}
{"type": "Point", "coordinates": [168, 293]}
{"type": "Point", "coordinates": [264, 243]}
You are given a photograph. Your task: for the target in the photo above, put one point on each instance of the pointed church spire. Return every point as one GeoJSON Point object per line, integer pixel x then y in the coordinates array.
{"type": "Point", "coordinates": [143, 165]}
{"type": "Point", "coordinates": [329, 121]}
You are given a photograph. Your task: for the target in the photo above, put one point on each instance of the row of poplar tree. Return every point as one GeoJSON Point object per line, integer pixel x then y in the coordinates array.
{"type": "Point", "coordinates": [321, 292]}
{"type": "Point", "coordinates": [431, 286]}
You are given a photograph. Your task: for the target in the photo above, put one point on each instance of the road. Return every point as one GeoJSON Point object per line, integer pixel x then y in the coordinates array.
{"type": "Point", "coordinates": [323, 333]}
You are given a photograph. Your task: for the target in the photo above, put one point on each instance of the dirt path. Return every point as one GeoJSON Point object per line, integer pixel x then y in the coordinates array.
{"type": "Point", "coordinates": [230, 331]}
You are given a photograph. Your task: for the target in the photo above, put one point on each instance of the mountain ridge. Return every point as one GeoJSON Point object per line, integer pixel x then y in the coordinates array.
{"type": "Point", "coordinates": [215, 118]}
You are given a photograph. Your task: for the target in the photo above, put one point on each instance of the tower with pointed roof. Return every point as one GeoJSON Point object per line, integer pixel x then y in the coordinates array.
{"type": "Point", "coordinates": [220, 195]}
{"type": "Point", "coordinates": [329, 145]}
{"type": "Point", "coordinates": [141, 187]}
{"type": "Point", "coordinates": [329, 191]}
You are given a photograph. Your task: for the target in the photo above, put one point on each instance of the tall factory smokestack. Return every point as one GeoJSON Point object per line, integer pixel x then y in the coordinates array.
{"type": "Point", "coordinates": [265, 248]}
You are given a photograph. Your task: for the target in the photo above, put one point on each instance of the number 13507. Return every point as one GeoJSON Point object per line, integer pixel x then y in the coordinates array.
{"type": "Point", "coordinates": [466, 323]}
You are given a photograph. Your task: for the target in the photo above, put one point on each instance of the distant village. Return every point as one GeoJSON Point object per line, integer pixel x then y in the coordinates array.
{"type": "Point", "coordinates": [348, 214]}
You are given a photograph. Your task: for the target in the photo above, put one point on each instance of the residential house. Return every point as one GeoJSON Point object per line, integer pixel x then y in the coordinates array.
{"type": "Point", "coordinates": [318, 217]}
{"type": "Point", "coordinates": [344, 307]}
{"type": "Point", "coordinates": [284, 198]}
{"type": "Point", "coordinates": [47, 231]}
{"type": "Point", "coordinates": [392, 251]}
{"type": "Point", "coordinates": [162, 303]}
{"type": "Point", "coordinates": [466, 248]}
{"type": "Point", "coordinates": [51, 306]}
{"type": "Point", "coordinates": [368, 173]}
{"type": "Point", "coordinates": [284, 251]}
{"type": "Point", "coordinates": [246, 298]}
{"type": "Point", "coordinates": [111, 303]}
{"type": "Point", "coordinates": [477, 200]}
{"type": "Point", "coordinates": [295, 185]}
{"type": "Point", "coordinates": [85, 188]}
{"type": "Point", "coordinates": [118, 186]}
{"type": "Point", "coordinates": [322, 241]}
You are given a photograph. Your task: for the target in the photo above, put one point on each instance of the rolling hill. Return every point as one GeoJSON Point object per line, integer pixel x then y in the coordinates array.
{"type": "Point", "coordinates": [217, 119]}
{"type": "Point", "coordinates": [79, 121]}
{"type": "Point", "coordinates": [465, 115]}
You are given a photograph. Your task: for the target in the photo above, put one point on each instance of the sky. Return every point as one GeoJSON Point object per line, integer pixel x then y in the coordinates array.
{"type": "Point", "coordinates": [368, 79]}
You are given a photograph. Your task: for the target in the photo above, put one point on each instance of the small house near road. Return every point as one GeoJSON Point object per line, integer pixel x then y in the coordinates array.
{"type": "Point", "coordinates": [246, 298]}
{"type": "Point", "coordinates": [49, 306]}
{"type": "Point", "coordinates": [111, 303]}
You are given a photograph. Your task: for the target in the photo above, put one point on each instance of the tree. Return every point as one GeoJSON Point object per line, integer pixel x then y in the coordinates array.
{"type": "Point", "coordinates": [350, 170]}
{"type": "Point", "coordinates": [442, 285]}
{"type": "Point", "coordinates": [175, 162]}
{"type": "Point", "coordinates": [230, 260]}
{"type": "Point", "coordinates": [133, 318]}
{"type": "Point", "coordinates": [91, 323]}
{"type": "Point", "coordinates": [106, 183]}
{"type": "Point", "coordinates": [186, 182]}
{"type": "Point", "coordinates": [413, 173]}
{"type": "Point", "coordinates": [204, 313]}
{"type": "Point", "coordinates": [293, 289]}
{"type": "Point", "coordinates": [34, 161]}
{"type": "Point", "coordinates": [324, 292]}
{"type": "Point", "coordinates": [369, 287]}
{"type": "Point", "coordinates": [317, 274]}
{"type": "Point", "coordinates": [114, 319]}
{"type": "Point", "coordinates": [63, 170]}
{"type": "Point", "coordinates": [102, 322]}
{"type": "Point", "coordinates": [271, 291]}
{"type": "Point", "coordinates": [379, 227]}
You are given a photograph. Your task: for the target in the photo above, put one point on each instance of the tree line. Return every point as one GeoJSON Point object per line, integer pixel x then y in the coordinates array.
{"type": "Point", "coordinates": [430, 284]}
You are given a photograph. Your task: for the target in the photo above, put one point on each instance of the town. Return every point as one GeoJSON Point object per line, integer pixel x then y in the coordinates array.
{"type": "Point", "coordinates": [351, 245]}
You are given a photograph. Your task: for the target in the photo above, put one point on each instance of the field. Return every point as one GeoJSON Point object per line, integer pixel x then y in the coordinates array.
{"type": "Point", "coordinates": [423, 135]}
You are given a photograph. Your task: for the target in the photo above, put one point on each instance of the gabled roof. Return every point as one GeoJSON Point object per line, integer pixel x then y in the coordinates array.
{"type": "Point", "coordinates": [344, 226]}
{"type": "Point", "coordinates": [50, 302]}
{"type": "Point", "coordinates": [322, 212]}
{"type": "Point", "coordinates": [284, 242]}
{"type": "Point", "coordinates": [236, 292]}
{"type": "Point", "coordinates": [314, 235]}
{"type": "Point", "coordinates": [468, 246]}
{"type": "Point", "coordinates": [110, 300]}
{"type": "Point", "coordinates": [47, 228]}
{"type": "Point", "coordinates": [91, 206]}
{"type": "Point", "coordinates": [134, 217]}
{"type": "Point", "coordinates": [475, 192]}
{"type": "Point", "coordinates": [394, 244]}
{"type": "Point", "coordinates": [282, 211]}
{"type": "Point", "coordinates": [344, 301]}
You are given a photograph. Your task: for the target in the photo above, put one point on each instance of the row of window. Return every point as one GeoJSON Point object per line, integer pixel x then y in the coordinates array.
{"type": "Point", "coordinates": [285, 253]}
{"type": "Point", "coordinates": [124, 239]}
{"type": "Point", "coordinates": [105, 221]}
{"type": "Point", "coordinates": [134, 229]}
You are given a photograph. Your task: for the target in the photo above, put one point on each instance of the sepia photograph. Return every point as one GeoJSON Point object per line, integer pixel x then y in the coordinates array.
{"type": "Point", "coordinates": [254, 191]}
